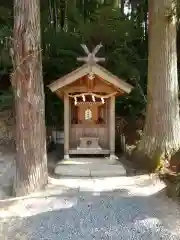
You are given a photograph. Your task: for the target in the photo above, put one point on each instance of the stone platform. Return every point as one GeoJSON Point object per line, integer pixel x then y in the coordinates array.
{"type": "Point", "coordinates": [89, 167]}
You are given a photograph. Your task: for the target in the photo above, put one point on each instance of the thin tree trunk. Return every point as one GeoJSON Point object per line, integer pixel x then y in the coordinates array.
{"type": "Point", "coordinates": [145, 9]}
{"type": "Point", "coordinates": [162, 127]}
{"type": "Point", "coordinates": [65, 28]}
{"type": "Point", "coordinates": [122, 6]}
{"type": "Point", "coordinates": [27, 82]}
{"type": "Point", "coordinates": [51, 17]}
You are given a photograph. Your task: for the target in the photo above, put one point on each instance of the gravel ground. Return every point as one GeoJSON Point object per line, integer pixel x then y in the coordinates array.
{"type": "Point", "coordinates": [114, 208]}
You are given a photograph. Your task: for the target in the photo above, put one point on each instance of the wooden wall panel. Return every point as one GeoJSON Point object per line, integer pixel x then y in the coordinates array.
{"type": "Point", "coordinates": [97, 86]}
{"type": "Point", "coordinates": [80, 130]}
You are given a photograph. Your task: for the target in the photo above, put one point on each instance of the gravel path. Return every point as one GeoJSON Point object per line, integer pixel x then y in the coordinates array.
{"type": "Point", "coordinates": [120, 208]}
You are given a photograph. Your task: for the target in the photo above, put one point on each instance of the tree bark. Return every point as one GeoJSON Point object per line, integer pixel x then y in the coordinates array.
{"type": "Point", "coordinates": [27, 82]}
{"type": "Point", "coordinates": [162, 127]}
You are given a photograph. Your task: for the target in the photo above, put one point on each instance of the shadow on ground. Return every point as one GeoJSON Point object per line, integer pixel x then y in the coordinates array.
{"type": "Point", "coordinates": [75, 214]}
{"type": "Point", "coordinates": [113, 208]}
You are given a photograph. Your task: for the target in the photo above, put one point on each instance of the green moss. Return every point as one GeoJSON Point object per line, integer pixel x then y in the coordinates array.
{"type": "Point", "coordinates": [158, 160]}
{"type": "Point", "coordinates": [143, 162]}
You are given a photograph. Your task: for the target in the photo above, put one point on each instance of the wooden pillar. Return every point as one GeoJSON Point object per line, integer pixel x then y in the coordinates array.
{"type": "Point", "coordinates": [66, 126]}
{"type": "Point", "coordinates": [112, 128]}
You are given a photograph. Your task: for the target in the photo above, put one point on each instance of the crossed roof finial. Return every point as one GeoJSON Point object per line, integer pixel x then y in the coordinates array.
{"type": "Point", "coordinates": [91, 56]}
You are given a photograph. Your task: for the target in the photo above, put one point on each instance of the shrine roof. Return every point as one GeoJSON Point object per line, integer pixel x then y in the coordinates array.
{"type": "Point", "coordinates": [91, 68]}
{"type": "Point", "coordinates": [86, 69]}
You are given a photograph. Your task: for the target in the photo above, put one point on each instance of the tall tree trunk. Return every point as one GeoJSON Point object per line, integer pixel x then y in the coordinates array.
{"type": "Point", "coordinates": [162, 127]}
{"type": "Point", "coordinates": [27, 82]}
{"type": "Point", "coordinates": [116, 3]}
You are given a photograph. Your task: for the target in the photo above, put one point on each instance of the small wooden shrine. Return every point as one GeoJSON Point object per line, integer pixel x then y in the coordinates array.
{"type": "Point", "coordinates": [89, 106]}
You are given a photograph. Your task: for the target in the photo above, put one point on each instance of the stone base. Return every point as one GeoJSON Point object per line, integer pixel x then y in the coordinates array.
{"type": "Point", "coordinates": [89, 151]}
{"type": "Point", "coordinates": [66, 157]}
{"type": "Point", "coordinates": [89, 167]}
{"type": "Point", "coordinates": [112, 159]}
{"type": "Point", "coordinates": [89, 143]}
